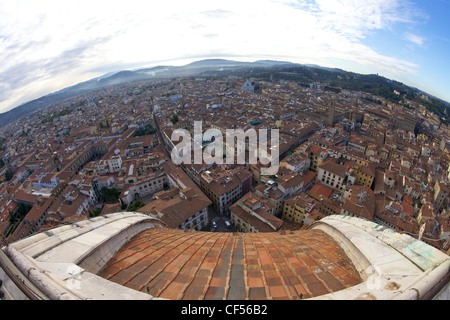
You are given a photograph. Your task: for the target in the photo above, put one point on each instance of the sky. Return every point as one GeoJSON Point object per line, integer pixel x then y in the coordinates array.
{"type": "Point", "coordinates": [48, 45]}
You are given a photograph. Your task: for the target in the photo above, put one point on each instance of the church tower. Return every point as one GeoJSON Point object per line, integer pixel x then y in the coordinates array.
{"type": "Point", "coordinates": [331, 112]}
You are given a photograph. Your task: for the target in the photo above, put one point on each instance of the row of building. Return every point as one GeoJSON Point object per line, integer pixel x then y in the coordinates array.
{"type": "Point", "coordinates": [338, 155]}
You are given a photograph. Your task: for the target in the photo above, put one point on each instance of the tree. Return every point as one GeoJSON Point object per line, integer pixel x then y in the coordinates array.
{"type": "Point", "coordinates": [110, 195]}
{"type": "Point", "coordinates": [174, 118]}
{"type": "Point", "coordinates": [23, 209]}
{"type": "Point", "coordinates": [95, 213]}
{"type": "Point", "coordinates": [143, 131]}
{"type": "Point", "coordinates": [8, 175]}
{"type": "Point", "coordinates": [135, 205]}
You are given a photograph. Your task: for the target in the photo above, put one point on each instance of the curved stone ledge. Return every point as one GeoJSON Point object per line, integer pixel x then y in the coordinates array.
{"type": "Point", "coordinates": [62, 263]}
{"type": "Point", "coordinates": [392, 265]}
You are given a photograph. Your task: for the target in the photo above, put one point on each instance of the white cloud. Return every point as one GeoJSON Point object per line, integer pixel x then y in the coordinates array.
{"type": "Point", "coordinates": [51, 36]}
{"type": "Point", "coordinates": [418, 40]}
{"type": "Point", "coordinates": [355, 18]}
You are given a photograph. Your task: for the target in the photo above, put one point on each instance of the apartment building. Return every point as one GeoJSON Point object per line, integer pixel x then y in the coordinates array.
{"type": "Point", "coordinates": [224, 186]}
{"type": "Point", "coordinates": [358, 143]}
{"type": "Point", "coordinates": [142, 188]}
{"type": "Point", "coordinates": [270, 191]}
{"type": "Point", "coordinates": [440, 195]}
{"type": "Point", "coordinates": [296, 163]}
{"type": "Point", "coordinates": [316, 154]}
{"type": "Point", "coordinates": [364, 174]}
{"type": "Point", "coordinates": [359, 202]}
{"type": "Point", "coordinates": [335, 175]}
{"type": "Point", "coordinates": [253, 214]}
{"type": "Point", "coordinates": [297, 207]}
{"type": "Point", "coordinates": [179, 209]}
{"type": "Point", "coordinates": [114, 163]}
{"type": "Point", "coordinates": [48, 180]}
{"type": "Point", "coordinates": [285, 185]}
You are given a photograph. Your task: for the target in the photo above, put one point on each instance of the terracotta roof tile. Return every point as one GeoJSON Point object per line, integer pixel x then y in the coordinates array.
{"type": "Point", "coordinates": [173, 264]}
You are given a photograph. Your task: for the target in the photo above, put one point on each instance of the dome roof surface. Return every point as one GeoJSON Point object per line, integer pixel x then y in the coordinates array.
{"type": "Point", "coordinates": [173, 264]}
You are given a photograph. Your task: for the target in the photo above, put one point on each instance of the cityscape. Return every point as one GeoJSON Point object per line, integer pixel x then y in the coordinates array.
{"type": "Point", "coordinates": [353, 204]}
{"type": "Point", "coordinates": [339, 153]}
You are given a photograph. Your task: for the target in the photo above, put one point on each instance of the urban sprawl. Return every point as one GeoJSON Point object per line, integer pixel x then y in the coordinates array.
{"type": "Point", "coordinates": [339, 154]}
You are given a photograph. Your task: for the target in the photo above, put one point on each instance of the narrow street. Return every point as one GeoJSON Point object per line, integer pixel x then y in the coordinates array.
{"type": "Point", "coordinates": [220, 221]}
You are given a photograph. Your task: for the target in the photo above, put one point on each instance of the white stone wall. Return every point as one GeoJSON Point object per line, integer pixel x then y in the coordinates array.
{"type": "Point", "coordinates": [62, 263]}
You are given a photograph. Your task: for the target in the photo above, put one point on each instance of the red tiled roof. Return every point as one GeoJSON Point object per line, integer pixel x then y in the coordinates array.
{"type": "Point", "coordinates": [334, 168]}
{"type": "Point", "coordinates": [192, 265]}
{"type": "Point", "coordinates": [321, 190]}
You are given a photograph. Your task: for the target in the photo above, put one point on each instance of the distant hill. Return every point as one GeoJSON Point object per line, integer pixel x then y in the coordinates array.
{"type": "Point", "coordinates": [262, 69]}
{"type": "Point", "coordinates": [336, 80]}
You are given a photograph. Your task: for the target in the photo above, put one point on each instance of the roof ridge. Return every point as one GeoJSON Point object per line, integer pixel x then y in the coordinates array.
{"type": "Point", "coordinates": [238, 253]}
{"type": "Point", "coordinates": [266, 287]}
{"type": "Point", "coordinates": [230, 263]}
{"type": "Point", "coordinates": [217, 261]}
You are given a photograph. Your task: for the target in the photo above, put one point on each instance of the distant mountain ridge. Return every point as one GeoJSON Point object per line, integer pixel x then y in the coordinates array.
{"type": "Point", "coordinates": [127, 76]}
{"type": "Point", "coordinates": [299, 72]}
